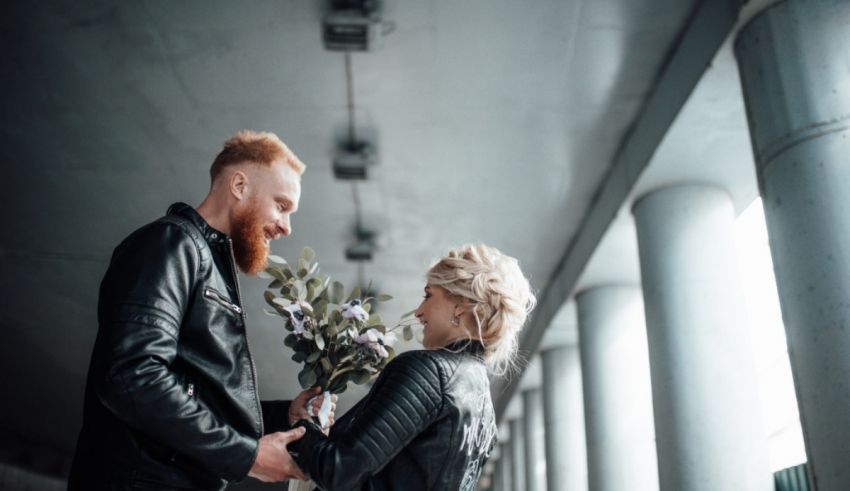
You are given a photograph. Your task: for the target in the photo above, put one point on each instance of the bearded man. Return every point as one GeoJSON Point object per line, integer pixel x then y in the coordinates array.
{"type": "Point", "coordinates": [171, 398]}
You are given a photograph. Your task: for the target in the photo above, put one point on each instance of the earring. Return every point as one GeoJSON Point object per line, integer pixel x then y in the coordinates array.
{"type": "Point", "coordinates": [455, 320]}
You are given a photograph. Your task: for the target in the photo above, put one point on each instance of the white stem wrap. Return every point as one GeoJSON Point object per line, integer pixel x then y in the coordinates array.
{"type": "Point", "coordinates": [296, 485]}
{"type": "Point", "coordinates": [324, 410]}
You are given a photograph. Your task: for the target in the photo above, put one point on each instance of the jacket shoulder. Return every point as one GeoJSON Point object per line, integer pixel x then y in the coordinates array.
{"type": "Point", "coordinates": [433, 366]}
{"type": "Point", "coordinates": [172, 232]}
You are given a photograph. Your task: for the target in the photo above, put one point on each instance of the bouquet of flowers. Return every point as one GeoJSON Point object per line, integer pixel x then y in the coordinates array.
{"type": "Point", "coordinates": [334, 335]}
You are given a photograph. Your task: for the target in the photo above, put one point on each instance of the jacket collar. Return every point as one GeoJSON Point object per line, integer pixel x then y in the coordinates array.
{"type": "Point", "coordinates": [211, 235]}
{"type": "Point", "coordinates": [472, 347]}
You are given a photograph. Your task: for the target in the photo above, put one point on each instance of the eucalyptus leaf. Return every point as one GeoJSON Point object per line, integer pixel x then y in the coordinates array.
{"type": "Point", "coordinates": [272, 313]}
{"type": "Point", "coordinates": [299, 356]}
{"type": "Point", "coordinates": [314, 356]}
{"type": "Point", "coordinates": [337, 291]}
{"type": "Point", "coordinates": [269, 296]}
{"type": "Point", "coordinates": [276, 273]}
{"type": "Point", "coordinates": [275, 284]}
{"type": "Point", "coordinates": [383, 297]}
{"type": "Point", "coordinates": [276, 259]}
{"type": "Point", "coordinates": [326, 365]}
{"type": "Point", "coordinates": [374, 320]}
{"type": "Point", "coordinates": [320, 341]}
{"type": "Point", "coordinates": [307, 335]}
{"type": "Point", "coordinates": [290, 340]}
{"type": "Point", "coordinates": [407, 333]}
{"type": "Point", "coordinates": [355, 293]}
{"type": "Point", "coordinates": [308, 253]}
{"type": "Point", "coordinates": [360, 377]}
{"type": "Point", "coordinates": [307, 378]}
{"type": "Point", "coordinates": [264, 276]}
{"type": "Point", "coordinates": [281, 301]}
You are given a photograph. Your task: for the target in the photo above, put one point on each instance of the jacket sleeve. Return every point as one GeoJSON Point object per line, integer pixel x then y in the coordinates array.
{"type": "Point", "coordinates": [147, 290]}
{"type": "Point", "coordinates": [275, 416]}
{"type": "Point", "coordinates": [405, 400]}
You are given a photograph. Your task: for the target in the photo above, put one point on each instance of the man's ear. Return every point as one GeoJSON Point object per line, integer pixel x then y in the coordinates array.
{"type": "Point", "coordinates": [238, 182]}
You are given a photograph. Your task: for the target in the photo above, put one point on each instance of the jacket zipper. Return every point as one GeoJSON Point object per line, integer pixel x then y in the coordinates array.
{"type": "Point", "coordinates": [247, 344]}
{"type": "Point", "coordinates": [210, 293]}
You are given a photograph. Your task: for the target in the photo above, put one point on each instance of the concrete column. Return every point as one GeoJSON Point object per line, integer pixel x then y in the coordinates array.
{"type": "Point", "coordinates": [794, 61]}
{"type": "Point", "coordinates": [535, 445]}
{"type": "Point", "coordinates": [707, 418]}
{"type": "Point", "coordinates": [563, 412]}
{"type": "Point", "coordinates": [617, 392]}
{"type": "Point", "coordinates": [517, 455]}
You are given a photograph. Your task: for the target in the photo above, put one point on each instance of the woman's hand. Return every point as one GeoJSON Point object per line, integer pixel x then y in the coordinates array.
{"type": "Point", "coordinates": [312, 398]}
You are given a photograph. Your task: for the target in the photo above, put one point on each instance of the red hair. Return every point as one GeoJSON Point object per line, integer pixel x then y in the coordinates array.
{"type": "Point", "coordinates": [257, 147]}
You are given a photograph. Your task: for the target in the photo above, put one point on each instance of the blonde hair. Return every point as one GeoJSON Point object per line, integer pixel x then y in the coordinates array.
{"type": "Point", "coordinates": [498, 293]}
{"type": "Point", "coordinates": [259, 147]}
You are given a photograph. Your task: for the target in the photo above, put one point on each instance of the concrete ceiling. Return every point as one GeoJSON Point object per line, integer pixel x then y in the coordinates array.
{"type": "Point", "coordinates": [495, 122]}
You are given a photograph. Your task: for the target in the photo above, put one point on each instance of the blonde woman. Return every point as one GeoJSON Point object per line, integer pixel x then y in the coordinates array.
{"type": "Point", "coordinates": [428, 421]}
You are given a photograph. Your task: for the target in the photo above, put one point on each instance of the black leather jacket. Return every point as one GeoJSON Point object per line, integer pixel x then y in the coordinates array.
{"type": "Point", "coordinates": [427, 424]}
{"type": "Point", "coordinates": [171, 398]}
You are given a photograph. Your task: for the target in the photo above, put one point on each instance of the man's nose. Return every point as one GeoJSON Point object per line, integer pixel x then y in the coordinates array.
{"type": "Point", "coordinates": [284, 226]}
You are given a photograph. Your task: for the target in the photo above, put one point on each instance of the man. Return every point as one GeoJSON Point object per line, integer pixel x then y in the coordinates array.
{"type": "Point", "coordinates": [171, 398]}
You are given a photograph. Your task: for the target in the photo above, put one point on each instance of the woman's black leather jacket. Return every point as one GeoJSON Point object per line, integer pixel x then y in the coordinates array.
{"type": "Point", "coordinates": [426, 424]}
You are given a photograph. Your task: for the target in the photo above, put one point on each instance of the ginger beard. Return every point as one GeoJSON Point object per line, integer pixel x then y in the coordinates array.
{"type": "Point", "coordinates": [250, 248]}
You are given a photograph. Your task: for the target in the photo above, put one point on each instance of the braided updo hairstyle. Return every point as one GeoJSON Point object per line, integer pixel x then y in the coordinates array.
{"type": "Point", "coordinates": [499, 295]}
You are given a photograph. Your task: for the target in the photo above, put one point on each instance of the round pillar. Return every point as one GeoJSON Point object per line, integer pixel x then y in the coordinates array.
{"type": "Point", "coordinates": [707, 417]}
{"type": "Point", "coordinates": [794, 61]}
{"type": "Point", "coordinates": [563, 413]}
{"type": "Point", "coordinates": [617, 392]}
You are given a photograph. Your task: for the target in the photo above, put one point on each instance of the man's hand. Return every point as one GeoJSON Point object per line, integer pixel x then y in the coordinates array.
{"type": "Point", "coordinates": [298, 407]}
{"type": "Point", "coordinates": [274, 464]}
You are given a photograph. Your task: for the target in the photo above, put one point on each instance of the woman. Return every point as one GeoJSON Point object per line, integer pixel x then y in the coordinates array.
{"type": "Point", "coordinates": [428, 421]}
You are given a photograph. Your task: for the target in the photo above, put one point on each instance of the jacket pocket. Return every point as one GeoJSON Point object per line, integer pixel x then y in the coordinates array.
{"type": "Point", "coordinates": [221, 299]}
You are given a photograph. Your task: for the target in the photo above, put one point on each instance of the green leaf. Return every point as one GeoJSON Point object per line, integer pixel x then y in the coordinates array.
{"type": "Point", "coordinates": [326, 365]}
{"type": "Point", "coordinates": [307, 335]}
{"type": "Point", "coordinates": [274, 285]}
{"type": "Point", "coordinates": [383, 297]}
{"type": "Point", "coordinates": [270, 298]}
{"type": "Point", "coordinates": [281, 301]}
{"type": "Point", "coordinates": [360, 377]}
{"type": "Point", "coordinates": [276, 273]}
{"type": "Point", "coordinates": [391, 352]}
{"type": "Point", "coordinates": [276, 259]}
{"type": "Point", "coordinates": [355, 293]}
{"type": "Point", "coordinates": [264, 276]}
{"type": "Point", "coordinates": [307, 378]}
{"type": "Point", "coordinates": [367, 307]}
{"type": "Point", "coordinates": [299, 356]}
{"type": "Point", "coordinates": [407, 333]}
{"type": "Point", "coordinates": [290, 340]}
{"type": "Point", "coordinates": [374, 320]}
{"type": "Point", "coordinates": [320, 341]}
{"type": "Point", "coordinates": [270, 312]}
{"type": "Point", "coordinates": [314, 356]}
{"type": "Point", "coordinates": [308, 253]}
{"type": "Point", "coordinates": [337, 291]}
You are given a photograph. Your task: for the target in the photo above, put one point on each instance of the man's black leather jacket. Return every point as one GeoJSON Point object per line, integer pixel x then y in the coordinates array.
{"type": "Point", "coordinates": [427, 424]}
{"type": "Point", "coordinates": [171, 398]}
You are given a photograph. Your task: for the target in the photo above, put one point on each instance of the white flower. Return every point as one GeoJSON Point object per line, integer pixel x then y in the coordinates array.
{"type": "Point", "coordinates": [376, 340]}
{"type": "Point", "coordinates": [297, 317]}
{"type": "Point", "coordinates": [354, 310]}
